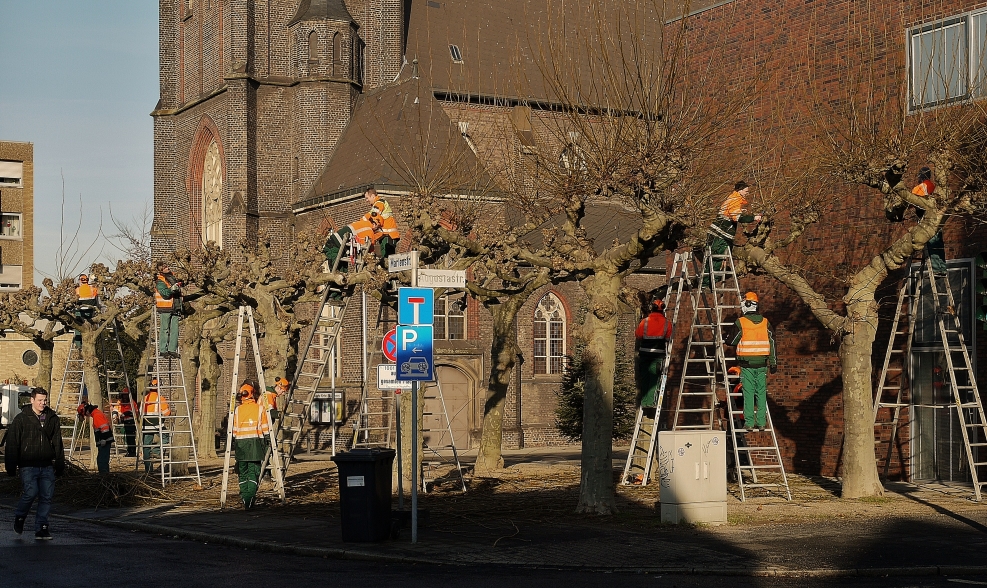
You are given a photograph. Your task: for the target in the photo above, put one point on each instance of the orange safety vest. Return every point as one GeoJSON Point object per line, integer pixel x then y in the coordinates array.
{"type": "Point", "coordinates": [250, 421]}
{"type": "Point", "coordinates": [754, 338]}
{"type": "Point", "coordinates": [363, 231]}
{"type": "Point", "coordinates": [924, 189]}
{"type": "Point", "coordinates": [383, 220]}
{"type": "Point", "coordinates": [654, 334]}
{"type": "Point", "coordinates": [151, 402]}
{"type": "Point", "coordinates": [100, 422]}
{"type": "Point", "coordinates": [272, 399]}
{"type": "Point", "coordinates": [160, 302]}
{"type": "Point", "coordinates": [87, 294]}
{"type": "Point", "coordinates": [733, 206]}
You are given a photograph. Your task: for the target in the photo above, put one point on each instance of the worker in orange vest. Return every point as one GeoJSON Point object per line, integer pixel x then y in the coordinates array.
{"type": "Point", "coordinates": [724, 229]}
{"type": "Point", "coordinates": [385, 225]}
{"type": "Point", "coordinates": [103, 435]}
{"type": "Point", "coordinates": [155, 408]}
{"type": "Point", "coordinates": [127, 411]}
{"type": "Point", "coordinates": [168, 303]}
{"type": "Point", "coordinates": [88, 304]}
{"type": "Point", "coordinates": [756, 355]}
{"type": "Point", "coordinates": [251, 430]}
{"type": "Point", "coordinates": [935, 247]}
{"type": "Point", "coordinates": [651, 341]}
{"type": "Point", "coordinates": [272, 394]}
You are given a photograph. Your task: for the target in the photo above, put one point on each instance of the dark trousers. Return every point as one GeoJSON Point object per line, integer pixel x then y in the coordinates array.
{"type": "Point", "coordinates": [36, 483]}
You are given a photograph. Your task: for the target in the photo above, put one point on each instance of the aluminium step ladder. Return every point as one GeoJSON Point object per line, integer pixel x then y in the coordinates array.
{"type": "Point", "coordinates": [436, 438]}
{"type": "Point", "coordinates": [640, 458]}
{"type": "Point", "coordinates": [174, 449]}
{"type": "Point", "coordinates": [962, 378]}
{"type": "Point", "coordinates": [275, 456]}
{"type": "Point", "coordinates": [705, 372]}
{"type": "Point", "coordinates": [316, 355]}
{"type": "Point", "coordinates": [894, 384]}
{"type": "Point", "coordinates": [374, 425]}
{"type": "Point", "coordinates": [70, 395]}
{"type": "Point", "coordinates": [113, 373]}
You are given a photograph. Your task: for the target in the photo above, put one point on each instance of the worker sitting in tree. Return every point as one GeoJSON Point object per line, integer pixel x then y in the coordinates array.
{"type": "Point", "coordinates": [168, 302]}
{"type": "Point", "coordinates": [935, 248]}
{"type": "Point", "coordinates": [756, 355]}
{"type": "Point", "coordinates": [724, 229]}
{"type": "Point", "coordinates": [386, 233]}
{"type": "Point", "coordinates": [651, 342]}
{"type": "Point", "coordinates": [251, 428]}
{"type": "Point", "coordinates": [102, 434]}
{"type": "Point", "coordinates": [88, 304]}
{"type": "Point", "coordinates": [272, 394]}
{"type": "Point", "coordinates": [155, 408]}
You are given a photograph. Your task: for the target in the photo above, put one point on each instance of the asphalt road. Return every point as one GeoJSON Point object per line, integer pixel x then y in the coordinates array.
{"type": "Point", "coordinates": [94, 556]}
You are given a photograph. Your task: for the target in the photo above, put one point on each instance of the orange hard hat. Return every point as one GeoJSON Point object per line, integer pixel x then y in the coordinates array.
{"type": "Point", "coordinates": [246, 389]}
{"type": "Point", "coordinates": [751, 296]}
{"type": "Point", "coordinates": [734, 370]}
{"type": "Point", "coordinates": [279, 381]}
{"type": "Point", "coordinates": [154, 384]}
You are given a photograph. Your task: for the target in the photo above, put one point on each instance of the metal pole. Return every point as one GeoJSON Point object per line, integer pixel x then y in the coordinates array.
{"type": "Point", "coordinates": [366, 352]}
{"type": "Point", "coordinates": [332, 386]}
{"type": "Point", "coordinates": [397, 427]}
{"type": "Point", "coordinates": [414, 429]}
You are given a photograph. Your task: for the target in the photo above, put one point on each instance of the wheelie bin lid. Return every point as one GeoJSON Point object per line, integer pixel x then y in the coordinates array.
{"type": "Point", "coordinates": [364, 454]}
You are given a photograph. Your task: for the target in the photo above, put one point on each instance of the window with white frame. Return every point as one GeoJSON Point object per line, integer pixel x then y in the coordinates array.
{"type": "Point", "coordinates": [947, 60]}
{"type": "Point", "coordinates": [10, 277]}
{"type": "Point", "coordinates": [11, 174]}
{"type": "Point", "coordinates": [449, 316]}
{"type": "Point", "coordinates": [10, 225]}
{"type": "Point", "coordinates": [549, 335]}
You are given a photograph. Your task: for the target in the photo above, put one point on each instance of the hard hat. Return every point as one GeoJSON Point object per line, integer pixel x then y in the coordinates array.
{"type": "Point", "coordinates": [734, 370]}
{"type": "Point", "coordinates": [749, 303]}
{"type": "Point", "coordinates": [279, 381]}
{"type": "Point", "coordinates": [658, 304]}
{"type": "Point", "coordinates": [751, 296]}
{"type": "Point", "coordinates": [83, 278]}
{"type": "Point", "coordinates": [246, 390]}
{"type": "Point", "coordinates": [81, 410]}
{"type": "Point", "coordinates": [154, 384]}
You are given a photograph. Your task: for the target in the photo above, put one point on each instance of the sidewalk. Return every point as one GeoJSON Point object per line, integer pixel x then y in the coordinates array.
{"type": "Point", "coordinates": [514, 521]}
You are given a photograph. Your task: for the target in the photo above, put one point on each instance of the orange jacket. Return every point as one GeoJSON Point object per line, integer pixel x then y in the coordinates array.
{"type": "Point", "coordinates": [100, 422]}
{"type": "Point", "coordinates": [733, 206]}
{"type": "Point", "coordinates": [155, 404]}
{"type": "Point", "coordinates": [383, 220]}
{"type": "Point", "coordinates": [87, 294]}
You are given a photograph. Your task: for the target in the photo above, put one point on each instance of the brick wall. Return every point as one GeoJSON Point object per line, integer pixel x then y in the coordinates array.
{"type": "Point", "coordinates": [20, 251]}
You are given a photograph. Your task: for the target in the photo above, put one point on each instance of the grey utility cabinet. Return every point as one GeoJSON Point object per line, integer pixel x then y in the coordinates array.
{"type": "Point", "coordinates": [692, 470]}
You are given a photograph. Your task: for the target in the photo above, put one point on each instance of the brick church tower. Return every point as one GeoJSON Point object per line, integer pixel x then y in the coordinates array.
{"type": "Point", "coordinates": [254, 95]}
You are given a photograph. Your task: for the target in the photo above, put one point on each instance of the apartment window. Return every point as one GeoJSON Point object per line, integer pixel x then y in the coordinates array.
{"type": "Point", "coordinates": [10, 225]}
{"type": "Point", "coordinates": [549, 335]}
{"type": "Point", "coordinates": [939, 63]}
{"type": "Point", "coordinates": [10, 277]}
{"type": "Point", "coordinates": [450, 317]}
{"type": "Point", "coordinates": [11, 174]}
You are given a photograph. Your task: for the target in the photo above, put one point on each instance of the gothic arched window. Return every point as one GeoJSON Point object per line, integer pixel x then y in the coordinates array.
{"type": "Point", "coordinates": [212, 196]}
{"type": "Point", "coordinates": [549, 335]}
{"type": "Point", "coordinates": [313, 52]}
{"type": "Point", "coordinates": [337, 55]}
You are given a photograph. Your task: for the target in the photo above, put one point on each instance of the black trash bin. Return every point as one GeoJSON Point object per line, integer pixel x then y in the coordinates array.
{"type": "Point", "coordinates": [365, 493]}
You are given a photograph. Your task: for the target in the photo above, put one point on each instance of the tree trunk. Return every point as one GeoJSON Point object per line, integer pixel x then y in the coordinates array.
{"type": "Point", "coordinates": [860, 476]}
{"type": "Point", "coordinates": [596, 489]}
{"type": "Point", "coordinates": [91, 363]}
{"type": "Point", "coordinates": [209, 373]}
{"type": "Point", "coordinates": [274, 344]}
{"type": "Point", "coordinates": [46, 359]}
{"type": "Point", "coordinates": [503, 353]}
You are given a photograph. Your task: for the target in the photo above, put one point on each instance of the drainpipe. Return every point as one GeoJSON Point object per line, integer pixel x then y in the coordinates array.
{"type": "Point", "coordinates": [517, 391]}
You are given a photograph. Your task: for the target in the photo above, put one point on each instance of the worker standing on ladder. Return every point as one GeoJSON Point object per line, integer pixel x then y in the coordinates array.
{"type": "Point", "coordinates": [168, 302]}
{"type": "Point", "coordinates": [935, 247]}
{"type": "Point", "coordinates": [88, 304]}
{"type": "Point", "coordinates": [724, 229]}
{"type": "Point", "coordinates": [651, 341]}
{"type": "Point", "coordinates": [104, 437]}
{"type": "Point", "coordinates": [273, 393]}
{"type": "Point", "coordinates": [128, 418]}
{"type": "Point", "coordinates": [756, 355]}
{"type": "Point", "coordinates": [155, 407]}
{"type": "Point", "coordinates": [385, 225]}
{"type": "Point", "coordinates": [250, 441]}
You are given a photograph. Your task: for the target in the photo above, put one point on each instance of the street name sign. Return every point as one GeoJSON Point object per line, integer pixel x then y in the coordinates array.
{"type": "Point", "coordinates": [438, 278]}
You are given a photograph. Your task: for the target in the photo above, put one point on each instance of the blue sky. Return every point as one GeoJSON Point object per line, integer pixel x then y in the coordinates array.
{"type": "Point", "coordinates": [79, 79]}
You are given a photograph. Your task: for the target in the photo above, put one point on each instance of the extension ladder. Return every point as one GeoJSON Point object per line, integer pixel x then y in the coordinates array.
{"type": "Point", "coordinates": [705, 372]}
{"type": "Point", "coordinates": [70, 394]}
{"type": "Point", "coordinates": [433, 436]}
{"type": "Point", "coordinates": [276, 470]}
{"type": "Point", "coordinates": [894, 381]}
{"type": "Point", "coordinates": [175, 445]}
{"type": "Point", "coordinates": [640, 458]}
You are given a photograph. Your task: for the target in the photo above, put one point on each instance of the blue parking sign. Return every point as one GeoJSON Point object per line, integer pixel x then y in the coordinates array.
{"type": "Point", "coordinates": [415, 360]}
{"type": "Point", "coordinates": [416, 306]}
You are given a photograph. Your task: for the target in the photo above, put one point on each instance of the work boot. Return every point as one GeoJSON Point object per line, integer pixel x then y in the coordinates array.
{"type": "Point", "coordinates": [19, 524]}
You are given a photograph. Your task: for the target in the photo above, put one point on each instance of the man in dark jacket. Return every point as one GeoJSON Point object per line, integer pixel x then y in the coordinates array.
{"type": "Point", "coordinates": [34, 446]}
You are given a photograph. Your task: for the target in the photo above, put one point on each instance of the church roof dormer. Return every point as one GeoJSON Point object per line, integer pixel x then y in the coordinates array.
{"type": "Point", "coordinates": [322, 10]}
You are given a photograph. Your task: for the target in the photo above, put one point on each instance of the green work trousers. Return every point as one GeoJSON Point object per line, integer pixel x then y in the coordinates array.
{"type": "Point", "coordinates": [168, 332]}
{"type": "Point", "coordinates": [936, 249]}
{"type": "Point", "coordinates": [151, 450]}
{"type": "Point", "coordinates": [249, 474]}
{"type": "Point", "coordinates": [755, 382]}
{"type": "Point", "coordinates": [648, 377]}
